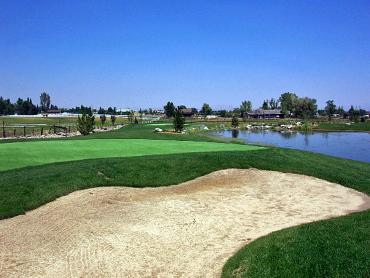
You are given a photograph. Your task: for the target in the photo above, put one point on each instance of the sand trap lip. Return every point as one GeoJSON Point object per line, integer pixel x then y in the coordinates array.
{"type": "Point", "coordinates": [187, 230]}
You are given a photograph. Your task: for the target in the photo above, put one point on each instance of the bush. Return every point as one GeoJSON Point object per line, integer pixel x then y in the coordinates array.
{"type": "Point", "coordinates": [85, 123]}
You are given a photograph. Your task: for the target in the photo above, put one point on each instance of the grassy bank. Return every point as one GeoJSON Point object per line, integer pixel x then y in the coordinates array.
{"type": "Point", "coordinates": [335, 126]}
{"type": "Point", "coordinates": [27, 188]}
{"type": "Point", "coordinates": [332, 248]}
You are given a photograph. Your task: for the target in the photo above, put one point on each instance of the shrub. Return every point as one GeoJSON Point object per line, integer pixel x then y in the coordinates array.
{"type": "Point", "coordinates": [85, 123]}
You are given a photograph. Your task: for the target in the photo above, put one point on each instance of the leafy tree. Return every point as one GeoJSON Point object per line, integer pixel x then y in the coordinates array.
{"type": "Point", "coordinates": [305, 108]}
{"type": "Point", "coordinates": [235, 122]}
{"type": "Point", "coordinates": [265, 104]}
{"type": "Point", "coordinates": [169, 109]}
{"type": "Point", "coordinates": [288, 102]}
{"type": "Point", "coordinates": [181, 107]}
{"type": "Point", "coordinates": [206, 109]}
{"type": "Point", "coordinates": [136, 121]}
{"type": "Point", "coordinates": [178, 121]}
{"type": "Point", "coordinates": [103, 118]}
{"type": "Point", "coordinates": [85, 123]}
{"type": "Point", "coordinates": [44, 102]}
{"type": "Point", "coordinates": [113, 119]}
{"type": "Point", "coordinates": [245, 107]}
{"type": "Point", "coordinates": [330, 108]}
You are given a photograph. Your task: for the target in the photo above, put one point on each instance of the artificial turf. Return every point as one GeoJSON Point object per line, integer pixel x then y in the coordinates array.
{"type": "Point", "coordinates": [22, 154]}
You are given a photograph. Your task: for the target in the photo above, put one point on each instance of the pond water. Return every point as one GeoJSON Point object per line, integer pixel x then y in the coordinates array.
{"type": "Point", "coordinates": [351, 145]}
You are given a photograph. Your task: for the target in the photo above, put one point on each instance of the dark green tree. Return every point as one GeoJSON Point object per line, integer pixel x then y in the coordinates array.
{"type": "Point", "coordinates": [169, 109]}
{"type": "Point", "coordinates": [265, 104]}
{"type": "Point", "coordinates": [235, 122]}
{"type": "Point", "coordinates": [206, 109]}
{"type": "Point", "coordinates": [178, 120]}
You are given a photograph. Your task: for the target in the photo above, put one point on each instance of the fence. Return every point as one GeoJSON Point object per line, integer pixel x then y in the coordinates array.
{"type": "Point", "coordinates": [14, 131]}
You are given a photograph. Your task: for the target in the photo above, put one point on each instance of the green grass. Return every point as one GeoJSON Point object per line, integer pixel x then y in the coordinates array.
{"type": "Point", "coordinates": [22, 154]}
{"type": "Point", "coordinates": [335, 126]}
{"type": "Point", "coordinates": [332, 248]}
{"type": "Point", "coordinates": [27, 188]}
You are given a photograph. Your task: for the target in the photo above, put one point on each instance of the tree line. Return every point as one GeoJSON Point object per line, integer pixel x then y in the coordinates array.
{"type": "Point", "coordinates": [288, 103]}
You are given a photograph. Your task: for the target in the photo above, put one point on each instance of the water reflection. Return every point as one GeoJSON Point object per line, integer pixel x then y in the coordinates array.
{"type": "Point", "coordinates": [235, 133]}
{"type": "Point", "coordinates": [352, 145]}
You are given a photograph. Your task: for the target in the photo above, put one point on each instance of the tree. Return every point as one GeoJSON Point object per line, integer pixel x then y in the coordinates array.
{"type": "Point", "coordinates": [305, 108]}
{"type": "Point", "coordinates": [206, 109]}
{"type": "Point", "coordinates": [6, 107]}
{"type": "Point", "coordinates": [85, 123]}
{"type": "Point", "coordinates": [288, 103]}
{"type": "Point", "coordinates": [265, 104]}
{"type": "Point", "coordinates": [245, 107]}
{"type": "Point", "coordinates": [330, 108]}
{"type": "Point", "coordinates": [235, 122]}
{"type": "Point", "coordinates": [136, 121]}
{"type": "Point", "coordinates": [274, 104]}
{"type": "Point", "coordinates": [169, 109]}
{"type": "Point", "coordinates": [354, 114]}
{"type": "Point", "coordinates": [113, 119]}
{"type": "Point", "coordinates": [341, 111]}
{"type": "Point", "coordinates": [44, 102]}
{"type": "Point", "coordinates": [178, 121]}
{"type": "Point", "coordinates": [103, 118]}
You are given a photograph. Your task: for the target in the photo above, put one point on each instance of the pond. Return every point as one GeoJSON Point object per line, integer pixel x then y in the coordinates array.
{"type": "Point", "coordinates": [351, 145]}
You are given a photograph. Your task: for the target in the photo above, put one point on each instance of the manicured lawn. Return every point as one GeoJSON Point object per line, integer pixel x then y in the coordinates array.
{"type": "Point", "coordinates": [22, 154]}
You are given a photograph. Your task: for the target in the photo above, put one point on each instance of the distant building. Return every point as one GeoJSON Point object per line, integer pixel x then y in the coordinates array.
{"type": "Point", "coordinates": [123, 110]}
{"type": "Point", "coordinates": [188, 112]}
{"type": "Point", "coordinates": [266, 114]}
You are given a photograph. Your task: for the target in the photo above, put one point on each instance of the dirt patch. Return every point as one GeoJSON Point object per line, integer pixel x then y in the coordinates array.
{"type": "Point", "coordinates": [184, 230]}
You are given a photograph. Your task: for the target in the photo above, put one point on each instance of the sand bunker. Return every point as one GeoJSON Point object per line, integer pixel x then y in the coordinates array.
{"type": "Point", "coordinates": [185, 230]}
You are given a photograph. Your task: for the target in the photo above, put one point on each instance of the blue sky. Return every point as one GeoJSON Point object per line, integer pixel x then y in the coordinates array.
{"type": "Point", "coordinates": [144, 53]}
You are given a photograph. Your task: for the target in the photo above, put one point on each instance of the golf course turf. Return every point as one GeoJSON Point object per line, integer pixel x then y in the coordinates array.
{"type": "Point", "coordinates": [336, 247]}
{"type": "Point", "coordinates": [22, 154]}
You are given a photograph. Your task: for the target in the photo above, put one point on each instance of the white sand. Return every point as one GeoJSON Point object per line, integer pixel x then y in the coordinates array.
{"type": "Point", "coordinates": [188, 230]}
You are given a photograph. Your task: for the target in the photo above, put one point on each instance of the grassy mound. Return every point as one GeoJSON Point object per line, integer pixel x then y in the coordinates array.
{"type": "Point", "coordinates": [332, 248]}
{"type": "Point", "coordinates": [22, 154]}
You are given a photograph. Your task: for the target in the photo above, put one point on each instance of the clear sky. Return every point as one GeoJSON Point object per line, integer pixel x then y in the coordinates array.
{"type": "Point", "coordinates": [144, 53]}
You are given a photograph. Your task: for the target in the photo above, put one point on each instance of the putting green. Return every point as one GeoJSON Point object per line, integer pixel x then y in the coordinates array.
{"type": "Point", "coordinates": [22, 154]}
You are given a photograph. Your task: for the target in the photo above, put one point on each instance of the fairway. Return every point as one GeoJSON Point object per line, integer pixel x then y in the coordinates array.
{"type": "Point", "coordinates": [22, 154]}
